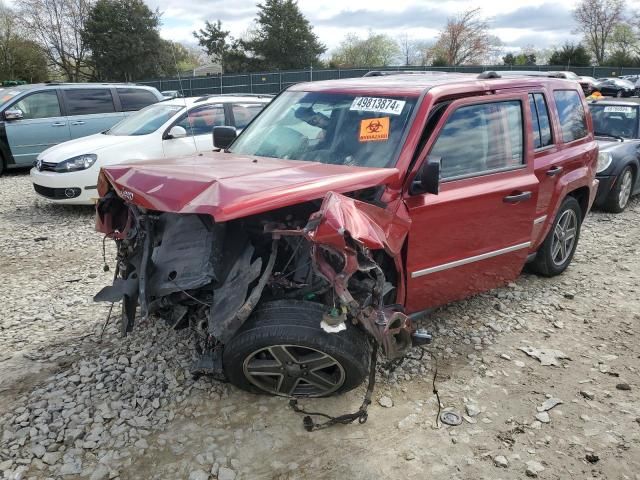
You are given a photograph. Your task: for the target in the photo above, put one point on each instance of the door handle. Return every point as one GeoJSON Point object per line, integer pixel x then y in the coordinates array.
{"type": "Point", "coordinates": [517, 197]}
{"type": "Point", "coordinates": [58, 124]}
{"type": "Point", "coordinates": [78, 122]}
{"type": "Point", "coordinates": [553, 171]}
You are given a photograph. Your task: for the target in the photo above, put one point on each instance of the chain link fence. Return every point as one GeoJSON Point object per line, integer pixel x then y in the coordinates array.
{"type": "Point", "coordinates": [274, 82]}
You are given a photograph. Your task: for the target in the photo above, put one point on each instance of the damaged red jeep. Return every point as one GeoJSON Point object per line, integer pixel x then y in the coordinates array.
{"type": "Point", "coordinates": [344, 211]}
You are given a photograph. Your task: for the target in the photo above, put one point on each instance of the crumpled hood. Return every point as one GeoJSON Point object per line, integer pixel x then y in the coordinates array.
{"type": "Point", "coordinates": [228, 186]}
{"type": "Point", "coordinates": [82, 146]}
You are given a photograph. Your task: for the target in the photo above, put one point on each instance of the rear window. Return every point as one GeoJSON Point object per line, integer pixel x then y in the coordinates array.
{"type": "Point", "coordinates": [135, 98]}
{"type": "Point", "coordinates": [571, 113]}
{"type": "Point", "coordinates": [85, 101]}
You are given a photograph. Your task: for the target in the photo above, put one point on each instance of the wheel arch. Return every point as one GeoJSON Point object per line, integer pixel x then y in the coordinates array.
{"type": "Point", "coordinates": [581, 194]}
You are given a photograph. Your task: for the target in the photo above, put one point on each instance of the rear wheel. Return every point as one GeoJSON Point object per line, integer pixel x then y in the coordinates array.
{"type": "Point", "coordinates": [620, 194]}
{"type": "Point", "coordinates": [556, 252]}
{"type": "Point", "coordinates": [619, 94]}
{"type": "Point", "coordinates": [282, 350]}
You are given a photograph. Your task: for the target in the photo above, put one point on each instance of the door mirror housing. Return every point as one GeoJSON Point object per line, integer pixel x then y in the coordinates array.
{"type": "Point", "coordinates": [176, 132]}
{"type": "Point", "coordinates": [428, 178]}
{"type": "Point", "coordinates": [13, 114]}
{"type": "Point", "coordinates": [223, 137]}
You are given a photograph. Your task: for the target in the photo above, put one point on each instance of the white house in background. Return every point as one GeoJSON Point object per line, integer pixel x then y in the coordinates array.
{"type": "Point", "coordinates": [207, 69]}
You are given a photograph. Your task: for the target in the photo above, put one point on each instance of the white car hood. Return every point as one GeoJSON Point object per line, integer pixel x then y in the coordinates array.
{"type": "Point", "coordinates": [84, 145]}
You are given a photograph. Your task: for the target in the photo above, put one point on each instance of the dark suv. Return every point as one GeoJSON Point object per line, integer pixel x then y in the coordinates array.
{"type": "Point", "coordinates": [344, 211]}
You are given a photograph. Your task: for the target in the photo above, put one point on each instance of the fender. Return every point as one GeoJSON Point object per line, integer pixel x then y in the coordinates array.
{"type": "Point", "coordinates": [578, 178]}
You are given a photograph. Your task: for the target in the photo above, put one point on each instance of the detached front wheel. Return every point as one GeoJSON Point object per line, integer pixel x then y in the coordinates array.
{"type": "Point", "coordinates": [282, 350]}
{"type": "Point", "coordinates": [556, 252]}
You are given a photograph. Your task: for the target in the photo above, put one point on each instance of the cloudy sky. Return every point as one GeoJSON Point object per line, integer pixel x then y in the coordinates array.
{"type": "Point", "coordinates": [542, 23]}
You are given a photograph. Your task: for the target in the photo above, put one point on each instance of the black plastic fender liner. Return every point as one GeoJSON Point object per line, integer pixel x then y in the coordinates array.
{"type": "Point", "coordinates": [117, 291]}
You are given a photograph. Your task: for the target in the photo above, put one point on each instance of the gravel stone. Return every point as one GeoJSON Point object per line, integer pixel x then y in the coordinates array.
{"type": "Point", "coordinates": [225, 473]}
{"type": "Point", "coordinates": [533, 468]}
{"type": "Point", "coordinates": [500, 461]}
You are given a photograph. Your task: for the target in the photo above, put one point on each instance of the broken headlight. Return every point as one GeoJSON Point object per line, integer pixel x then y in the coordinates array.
{"type": "Point", "coordinates": [81, 162]}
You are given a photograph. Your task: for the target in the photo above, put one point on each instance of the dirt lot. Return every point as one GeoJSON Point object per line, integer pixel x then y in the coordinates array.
{"type": "Point", "coordinates": [73, 407]}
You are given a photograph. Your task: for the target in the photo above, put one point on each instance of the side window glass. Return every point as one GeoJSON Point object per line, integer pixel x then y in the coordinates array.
{"type": "Point", "coordinates": [480, 138]}
{"type": "Point", "coordinates": [85, 101]}
{"type": "Point", "coordinates": [39, 105]}
{"type": "Point", "coordinates": [133, 99]}
{"type": "Point", "coordinates": [535, 125]}
{"type": "Point", "coordinates": [202, 120]}
{"type": "Point", "coordinates": [571, 115]}
{"type": "Point", "coordinates": [243, 113]}
{"type": "Point", "coordinates": [546, 138]}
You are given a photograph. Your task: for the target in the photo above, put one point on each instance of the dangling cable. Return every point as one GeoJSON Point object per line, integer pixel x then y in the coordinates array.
{"type": "Point", "coordinates": [361, 415]}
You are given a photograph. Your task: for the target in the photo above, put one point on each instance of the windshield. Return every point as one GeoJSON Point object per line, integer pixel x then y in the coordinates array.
{"type": "Point", "coordinates": [621, 121]}
{"type": "Point", "coordinates": [331, 128]}
{"type": "Point", "coordinates": [145, 121]}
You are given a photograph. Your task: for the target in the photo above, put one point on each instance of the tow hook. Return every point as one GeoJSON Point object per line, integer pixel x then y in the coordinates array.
{"type": "Point", "coordinates": [421, 337]}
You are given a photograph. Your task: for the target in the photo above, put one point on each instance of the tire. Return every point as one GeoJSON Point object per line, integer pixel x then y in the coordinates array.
{"type": "Point", "coordinates": [290, 330]}
{"type": "Point", "coordinates": [619, 94]}
{"type": "Point", "coordinates": [619, 196]}
{"type": "Point", "coordinates": [548, 262]}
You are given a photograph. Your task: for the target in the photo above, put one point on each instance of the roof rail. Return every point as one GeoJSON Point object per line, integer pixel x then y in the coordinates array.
{"type": "Point", "coordinates": [518, 73]}
{"type": "Point", "coordinates": [383, 73]}
{"type": "Point", "coordinates": [215, 95]}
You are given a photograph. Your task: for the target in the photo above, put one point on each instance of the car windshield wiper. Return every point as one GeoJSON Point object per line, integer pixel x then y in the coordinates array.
{"type": "Point", "coordinates": [601, 134]}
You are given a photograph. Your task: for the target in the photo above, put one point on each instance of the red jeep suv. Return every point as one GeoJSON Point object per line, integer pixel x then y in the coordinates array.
{"type": "Point", "coordinates": [343, 211]}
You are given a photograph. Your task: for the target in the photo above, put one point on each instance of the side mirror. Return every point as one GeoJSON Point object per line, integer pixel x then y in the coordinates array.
{"type": "Point", "coordinates": [223, 137]}
{"type": "Point", "coordinates": [13, 114]}
{"type": "Point", "coordinates": [428, 178]}
{"type": "Point", "coordinates": [176, 132]}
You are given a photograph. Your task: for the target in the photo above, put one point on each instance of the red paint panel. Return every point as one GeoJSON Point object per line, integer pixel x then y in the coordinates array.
{"type": "Point", "coordinates": [228, 186]}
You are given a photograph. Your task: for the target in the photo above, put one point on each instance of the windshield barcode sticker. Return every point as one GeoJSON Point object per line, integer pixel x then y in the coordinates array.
{"type": "Point", "coordinates": [619, 109]}
{"type": "Point", "coordinates": [378, 105]}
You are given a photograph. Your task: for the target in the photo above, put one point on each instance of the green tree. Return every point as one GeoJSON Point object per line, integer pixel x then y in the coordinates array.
{"type": "Point", "coordinates": [20, 58]}
{"type": "Point", "coordinates": [283, 38]}
{"type": "Point", "coordinates": [525, 59]}
{"type": "Point", "coordinates": [509, 59]}
{"type": "Point", "coordinates": [570, 55]}
{"type": "Point", "coordinates": [124, 40]}
{"type": "Point", "coordinates": [175, 58]}
{"type": "Point", "coordinates": [377, 50]}
{"type": "Point", "coordinates": [215, 41]}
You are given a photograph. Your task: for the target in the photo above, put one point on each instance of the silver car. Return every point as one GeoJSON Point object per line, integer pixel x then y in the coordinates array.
{"type": "Point", "coordinates": [36, 117]}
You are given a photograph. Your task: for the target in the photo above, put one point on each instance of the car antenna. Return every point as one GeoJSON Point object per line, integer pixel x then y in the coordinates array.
{"type": "Point", "coordinates": [184, 98]}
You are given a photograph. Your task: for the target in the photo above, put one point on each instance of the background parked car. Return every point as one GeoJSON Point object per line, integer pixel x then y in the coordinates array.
{"type": "Point", "coordinates": [68, 173]}
{"type": "Point", "coordinates": [616, 87]}
{"type": "Point", "coordinates": [617, 131]}
{"type": "Point", "coordinates": [588, 84]}
{"type": "Point", "coordinates": [169, 94]}
{"type": "Point", "coordinates": [36, 117]}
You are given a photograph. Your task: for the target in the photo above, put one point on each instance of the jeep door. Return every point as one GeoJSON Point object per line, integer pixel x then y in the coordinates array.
{"type": "Point", "coordinates": [42, 125]}
{"type": "Point", "coordinates": [475, 233]}
{"type": "Point", "coordinates": [90, 110]}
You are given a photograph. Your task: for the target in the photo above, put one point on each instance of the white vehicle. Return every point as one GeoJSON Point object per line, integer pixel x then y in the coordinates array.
{"type": "Point", "coordinates": [68, 172]}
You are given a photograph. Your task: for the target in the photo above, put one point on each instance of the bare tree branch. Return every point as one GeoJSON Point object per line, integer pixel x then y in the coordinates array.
{"type": "Point", "coordinates": [597, 20]}
{"type": "Point", "coordinates": [57, 26]}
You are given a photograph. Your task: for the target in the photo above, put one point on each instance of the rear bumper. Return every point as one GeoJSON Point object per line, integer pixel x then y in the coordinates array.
{"type": "Point", "coordinates": [74, 188]}
{"type": "Point", "coordinates": [605, 185]}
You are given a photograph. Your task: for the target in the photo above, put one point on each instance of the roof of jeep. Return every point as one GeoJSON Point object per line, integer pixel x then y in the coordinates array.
{"type": "Point", "coordinates": [416, 84]}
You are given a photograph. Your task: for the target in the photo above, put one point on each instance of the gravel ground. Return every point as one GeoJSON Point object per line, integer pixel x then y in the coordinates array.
{"type": "Point", "coordinates": [75, 406]}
